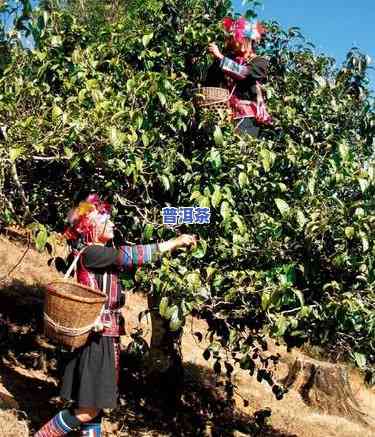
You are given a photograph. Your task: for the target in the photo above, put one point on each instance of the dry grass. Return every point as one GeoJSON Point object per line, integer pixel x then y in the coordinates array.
{"type": "Point", "coordinates": [32, 269]}
{"type": "Point", "coordinates": [12, 424]}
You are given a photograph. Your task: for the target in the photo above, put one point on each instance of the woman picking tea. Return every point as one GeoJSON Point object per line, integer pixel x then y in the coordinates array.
{"type": "Point", "coordinates": [91, 377]}
{"type": "Point", "coordinates": [242, 73]}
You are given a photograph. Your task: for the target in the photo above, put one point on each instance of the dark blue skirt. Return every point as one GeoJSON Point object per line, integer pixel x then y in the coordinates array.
{"type": "Point", "coordinates": [90, 377]}
{"type": "Point", "coordinates": [248, 125]}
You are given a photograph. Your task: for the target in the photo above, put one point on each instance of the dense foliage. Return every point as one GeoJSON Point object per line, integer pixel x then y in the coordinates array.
{"type": "Point", "coordinates": [106, 105]}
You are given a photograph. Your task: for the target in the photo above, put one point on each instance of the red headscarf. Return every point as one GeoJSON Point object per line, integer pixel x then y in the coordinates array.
{"type": "Point", "coordinates": [241, 29]}
{"type": "Point", "coordinates": [85, 218]}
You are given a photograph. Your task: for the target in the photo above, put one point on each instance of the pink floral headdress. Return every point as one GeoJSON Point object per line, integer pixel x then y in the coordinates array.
{"type": "Point", "coordinates": [241, 29]}
{"type": "Point", "coordinates": [84, 218]}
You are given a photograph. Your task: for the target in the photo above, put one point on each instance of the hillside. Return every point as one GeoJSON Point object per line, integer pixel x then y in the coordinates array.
{"type": "Point", "coordinates": [28, 383]}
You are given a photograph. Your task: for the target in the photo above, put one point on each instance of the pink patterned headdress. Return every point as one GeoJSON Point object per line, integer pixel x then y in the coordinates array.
{"type": "Point", "coordinates": [84, 218]}
{"type": "Point", "coordinates": [241, 29]}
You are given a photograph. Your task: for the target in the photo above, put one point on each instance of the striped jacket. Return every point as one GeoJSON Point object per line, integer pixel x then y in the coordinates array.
{"type": "Point", "coordinates": [95, 261]}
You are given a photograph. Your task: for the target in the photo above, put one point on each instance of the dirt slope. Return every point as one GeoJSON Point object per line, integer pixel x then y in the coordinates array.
{"type": "Point", "coordinates": [31, 392]}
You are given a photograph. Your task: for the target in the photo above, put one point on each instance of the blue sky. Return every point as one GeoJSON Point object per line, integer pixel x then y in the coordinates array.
{"type": "Point", "coordinates": [333, 26]}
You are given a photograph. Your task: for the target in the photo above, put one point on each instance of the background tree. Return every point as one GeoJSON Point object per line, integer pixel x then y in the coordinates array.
{"type": "Point", "coordinates": [106, 105]}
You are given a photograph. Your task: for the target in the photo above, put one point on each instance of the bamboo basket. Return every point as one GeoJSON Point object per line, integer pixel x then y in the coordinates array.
{"type": "Point", "coordinates": [212, 99]}
{"type": "Point", "coordinates": [209, 95]}
{"type": "Point", "coordinates": [70, 312]}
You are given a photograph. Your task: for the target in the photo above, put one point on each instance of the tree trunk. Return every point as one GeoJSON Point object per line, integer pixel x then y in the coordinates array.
{"type": "Point", "coordinates": [16, 180]}
{"type": "Point", "coordinates": [165, 371]}
{"type": "Point", "coordinates": [324, 386]}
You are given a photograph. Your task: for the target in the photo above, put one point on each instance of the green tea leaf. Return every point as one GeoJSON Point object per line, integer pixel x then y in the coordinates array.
{"type": "Point", "coordinates": [15, 153]}
{"type": "Point", "coordinates": [194, 278]}
{"type": "Point", "coordinates": [195, 195]}
{"type": "Point", "coordinates": [364, 184]}
{"type": "Point", "coordinates": [225, 210]}
{"type": "Point", "coordinates": [265, 300]}
{"type": "Point", "coordinates": [56, 113]}
{"type": "Point", "coordinates": [175, 323]}
{"type": "Point", "coordinates": [204, 202]}
{"type": "Point", "coordinates": [268, 159]}
{"type": "Point", "coordinates": [243, 180]}
{"type": "Point", "coordinates": [241, 226]}
{"type": "Point", "coordinates": [130, 85]}
{"type": "Point", "coordinates": [145, 139]}
{"type": "Point", "coordinates": [170, 311]}
{"type": "Point", "coordinates": [116, 137]}
{"type": "Point", "coordinates": [311, 185]}
{"type": "Point", "coordinates": [200, 251]}
{"type": "Point", "coordinates": [344, 151]}
{"type": "Point", "coordinates": [282, 326]}
{"type": "Point", "coordinates": [41, 239]}
{"type": "Point", "coordinates": [301, 219]}
{"type": "Point", "coordinates": [56, 41]}
{"type": "Point", "coordinates": [149, 229]}
{"type": "Point", "coordinates": [349, 232]}
{"type": "Point", "coordinates": [162, 98]}
{"type": "Point", "coordinates": [163, 306]}
{"type": "Point", "coordinates": [282, 206]}
{"type": "Point", "coordinates": [146, 39]}
{"type": "Point", "coordinates": [215, 159]}
{"type": "Point", "coordinates": [218, 136]}
{"type": "Point", "coordinates": [365, 241]}
{"type": "Point", "coordinates": [216, 198]}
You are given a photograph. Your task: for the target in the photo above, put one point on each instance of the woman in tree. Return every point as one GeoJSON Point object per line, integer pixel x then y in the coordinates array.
{"type": "Point", "coordinates": [91, 377]}
{"type": "Point", "coordinates": [242, 72]}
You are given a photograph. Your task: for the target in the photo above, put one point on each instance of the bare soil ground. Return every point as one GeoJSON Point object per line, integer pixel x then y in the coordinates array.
{"type": "Point", "coordinates": [29, 377]}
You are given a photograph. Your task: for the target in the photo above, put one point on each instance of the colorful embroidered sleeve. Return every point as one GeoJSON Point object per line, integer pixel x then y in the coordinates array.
{"type": "Point", "coordinates": [130, 257]}
{"type": "Point", "coordinates": [257, 69]}
{"type": "Point", "coordinates": [237, 71]}
{"type": "Point", "coordinates": [126, 257]}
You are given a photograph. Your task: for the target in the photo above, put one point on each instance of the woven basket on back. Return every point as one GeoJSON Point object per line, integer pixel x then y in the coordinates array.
{"type": "Point", "coordinates": [70, 312]}
{"type": "Point", "coordinates": [208, 95]}
{"type": "Point", "coordinates": [212, 99]}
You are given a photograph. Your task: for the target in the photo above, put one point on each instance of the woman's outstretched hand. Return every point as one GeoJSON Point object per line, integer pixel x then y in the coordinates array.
{"type": "Point", "coordinates": [214, 49]}
{"type": "Point", "coordinates": [184, 240]}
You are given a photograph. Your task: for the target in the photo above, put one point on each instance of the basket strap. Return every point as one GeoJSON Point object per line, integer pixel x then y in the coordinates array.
{"type": "Point", "coordinates": [71, 332]}
{"type": "Point", "coordinates": [99, 325]}
{"type": "Point", "coordinates": [259, 93]}
{"type": "Point", "coordinates": [104, 288]}
{"type": "Point", "coordinates": [74, 264]}
{"type": "Point", "coordinates": [232, 92]}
